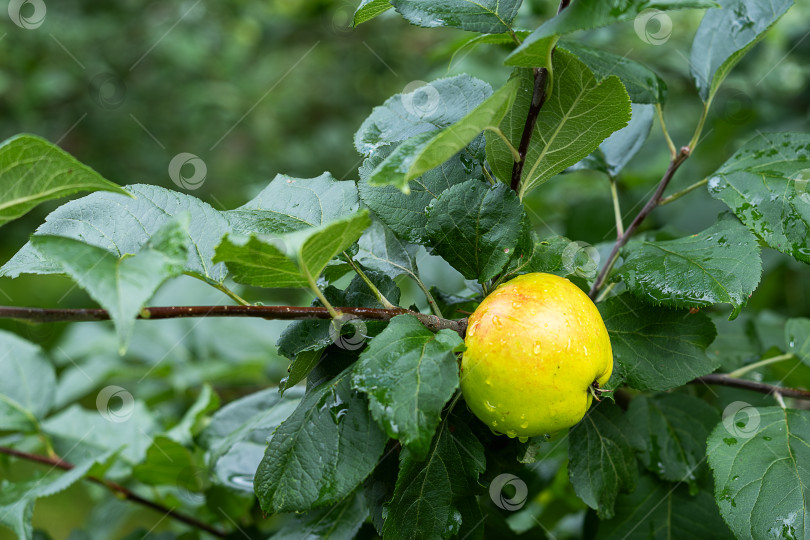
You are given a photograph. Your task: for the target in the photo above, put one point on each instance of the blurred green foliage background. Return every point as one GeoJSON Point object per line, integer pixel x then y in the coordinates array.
{"type": "Point", "coordinates": [257, 88]}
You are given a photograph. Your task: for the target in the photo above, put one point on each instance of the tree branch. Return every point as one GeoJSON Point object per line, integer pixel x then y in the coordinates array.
{"type": "Point", "coordinates": [725, 380]}
{"type": "Point", "coordinates": [642, 215]}
{"type": "Point", "coordinates": [286, 313]}
{"type": "Point", "coordinates": [118, 489]}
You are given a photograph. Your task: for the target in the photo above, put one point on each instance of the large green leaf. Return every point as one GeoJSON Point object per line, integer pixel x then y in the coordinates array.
{"type": "Point", "coordinates": [602, 458]}
{"type": "Point", "coordinates": [485, 16]}
{"type": "Point", "coordinates": [295, 259]}
{"type": "Point", "coordinates": [33, 171]}
{"type": "Point", "coordinates": [797, 337]}
{"type": "Point", "coordinates": [290, 204]}
{"type": "Point", "coordinates": [409, 373]}
{"type": "Point", "coordinates": [381, 250]}
{"type": "Point", "coordinates": [718, 265]}
{"type": "Point", "coordinates": [661, 511]}
{"type": "Point", "coordinates": [368, 9]}
{"type": "Point", "coordinates": [578, 115]}
{"type": "Point", "coordinates": [766, 183]}
{"type": "Point", "coordinates": [122, 225]}
{"type": "Point", "coordinates": [475, 227]}
{"type": "Point", "coordinates": [430, 493]}
{"type": "Point", "coordinates": [339, 522]}
{"type": "Point", "coordinates": [725, 35]}
{"type": "Point", "coordinates": [27, 385]}
{"type": "Point", "coordinates": [762, 483]}
{"type": "Point", "coordinates": [321, 452]}
{"type": "Point", "coordinates": [672, 432]}
{"type": "Point", "coordinates": [121, 285]}
{"type": "Point", "coordinates": [656, 348]}
{"type": "Point", "coordinates": [435, 105]}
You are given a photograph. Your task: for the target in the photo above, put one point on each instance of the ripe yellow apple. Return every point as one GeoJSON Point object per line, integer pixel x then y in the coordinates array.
{"type": "Point", "coordinates": [535, 346]}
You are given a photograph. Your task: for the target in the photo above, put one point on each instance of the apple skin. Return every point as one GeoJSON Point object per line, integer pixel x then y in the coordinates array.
{"type": "Point", "coordinates": [535, 345]}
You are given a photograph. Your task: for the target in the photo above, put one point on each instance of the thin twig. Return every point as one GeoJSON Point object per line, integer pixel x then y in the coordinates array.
{"type": "Point", "coordinates": [117, 488]}
{"type": "Point", "coordinates": [285, 313]}
{"type": "Point", "coordinates": [678, 194]}
{"type": "Point", "coordinates": [724, 380]}
{"type": "Point", "coordinates": [538, 98]}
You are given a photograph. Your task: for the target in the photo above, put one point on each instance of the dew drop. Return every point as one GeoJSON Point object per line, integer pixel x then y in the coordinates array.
{"type": "Point", "coordinates": [524, 425]}
{"type": "Point", "coordinates": [496, 321]}
{"type": "Point", "coordinates": [490, 407]}
{"type": "Point", "coordinates": [523, 439]}
{"type": "Point", "coordinates": [511, 434]}
{"type": "Point", "coordinates": [537, 348]}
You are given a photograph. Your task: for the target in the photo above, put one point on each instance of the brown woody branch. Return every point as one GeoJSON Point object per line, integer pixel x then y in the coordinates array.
{"type": "Point", "coordinates": [118, 489]}
{"type": "Point", "coordinates": [725, 380]}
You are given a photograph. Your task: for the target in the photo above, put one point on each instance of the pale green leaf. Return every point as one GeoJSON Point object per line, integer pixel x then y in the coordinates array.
{"type": "Point", "coordinates": [27, 384]}
{"type": "Point", "coordinates": [484, 16]}
{"type": "Point", "coordinates": [368, 9]}
{"type": "Point", "coordinates": [797, 337]}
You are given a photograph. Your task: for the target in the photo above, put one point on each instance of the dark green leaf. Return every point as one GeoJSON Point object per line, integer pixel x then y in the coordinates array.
{"type": "Point", "coordinates": [718, 265]}
{"type": "Point", "coordinates": [766, 183]}
{"type": "Point", "coordinates": [797, 337]}
{"type": "Point", "coordinates": [429, 493]}
{"type": "Point", "coordinates": [577, 116]}
{"type": "Point", "coordinates": [195, 417]}
{"type": "Point", "coordinates": [338, 522]}
{"type": "Point", "coordinates": [660, 511]}
{"type": "Point", "coordinates": [33, 171]}
{"type": "Point", "coordinates": [381, 250]}
{"type": "Point", "coordinates": [673, 429]}
{"type": "Point", "coordinates": [368, 9]}
{"type": "Point", "coordinates": [27, 385]}
{"type": "Point", "coordinates": [656, 348]}
{"type": "Point", "coordinates": [762, 483]}
{"type": "Point", "coordinates": [602, 459]}
{"type": "Point", "coordinates": [475, 227]}
{"type": "Point", "coordinates": [318, 455]}
{"type": "Point", "coordinates": [409, 373]}
{"type": "Point", "coordinates": [725, 35]}
{"type": "Point", "coordinates": [121, 225]}
{"type": "Point", "coordinates": [484, 16]}
{"type": "Point", "coordinates": [121, 285]}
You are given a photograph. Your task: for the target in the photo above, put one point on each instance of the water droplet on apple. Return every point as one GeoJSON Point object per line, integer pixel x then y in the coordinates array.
{"type": "Point", "coordinates": [488, 382]}
{"type": "Point", "coordinates": [490, 407]}
{"type": "Point", "coordinates": [524, 425]}
{"type": "Point", "coordinates": [496, 321]}
{"type": "Point", "coordinates": [471, 330]}
{"type": "Point", "coordinates": [523, 439]}
{"type": "Point", "coordinates": [511, 434]}
{"type": "Point", "coordinates": [537, 348]}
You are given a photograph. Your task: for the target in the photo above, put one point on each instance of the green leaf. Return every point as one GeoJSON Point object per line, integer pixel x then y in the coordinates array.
{"type": "Point", "coordinates": [429, 493]}
{"type": "Point", "coordinates": [537, 54]}
{"type": "Point", "coordinates": [122, 285]}
{"type": "Point", "coordinates": [602, 458]}
{"type": "Point", "coordinates": [475, 227]}
{"type": "Point", "coordinates": [166, 463]}
{"type": "Point", "coordinates": [761, 479]}
{"type": "Point", "coordinates": [409, 373]}
{"type": "Point", "coordinates": [797, 337]}
{"type": "Point", "coordinates": [656, 348]}
{"type": "Point", "coordinates": [122, 225]}
{"type": "Point", "coordinates": [484, 16]}
{"type": "Point", "coordinates": [455, 138]}
{"type": "Point", "coordinates": [577, 116]}
{"type": "Point", "coordinates": [17, 499]}
{"type": "Point", "coordinates": [195, 417]}
{"type": "Point", "coordinates": [33, 171]}
{"type": "Point", "coordinates": [718, 265]}
{"type": "Point", "coordinates": [436, 105]}
{"type": "Point", "coordinates": [405, 214]}
{"type": "Point", "coordinates": [643, 85]}
{"type": "Point", "coordinates": [292, 260]}
{"type": "Point", "coordinates": [393, 170]}
{"type": "Point", "coordinates": [725, 35]}
{"type": "Point", "coordinates": [318, 455]}
{"type": "Point", "coordinates": [339, 522]}
{"type": "Point", "coordinates": [660, 511]}
{"type": "Point", "coordinates": [673, 429]}
{"type": "Point", "coordinates": [381, 250]}
{"type": "Point", "coordinates": [27, 386]}
{"type": "Point", "coordinates": [237, 434]}
{"type": "Point", "coordinates": [766, 185]}
{"type": "Point", "coordinates": [368, 9]}
{"type": "Point", "coordinates": [586, 14]}
{"type": "Point", "coordinates": [290, 204]}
